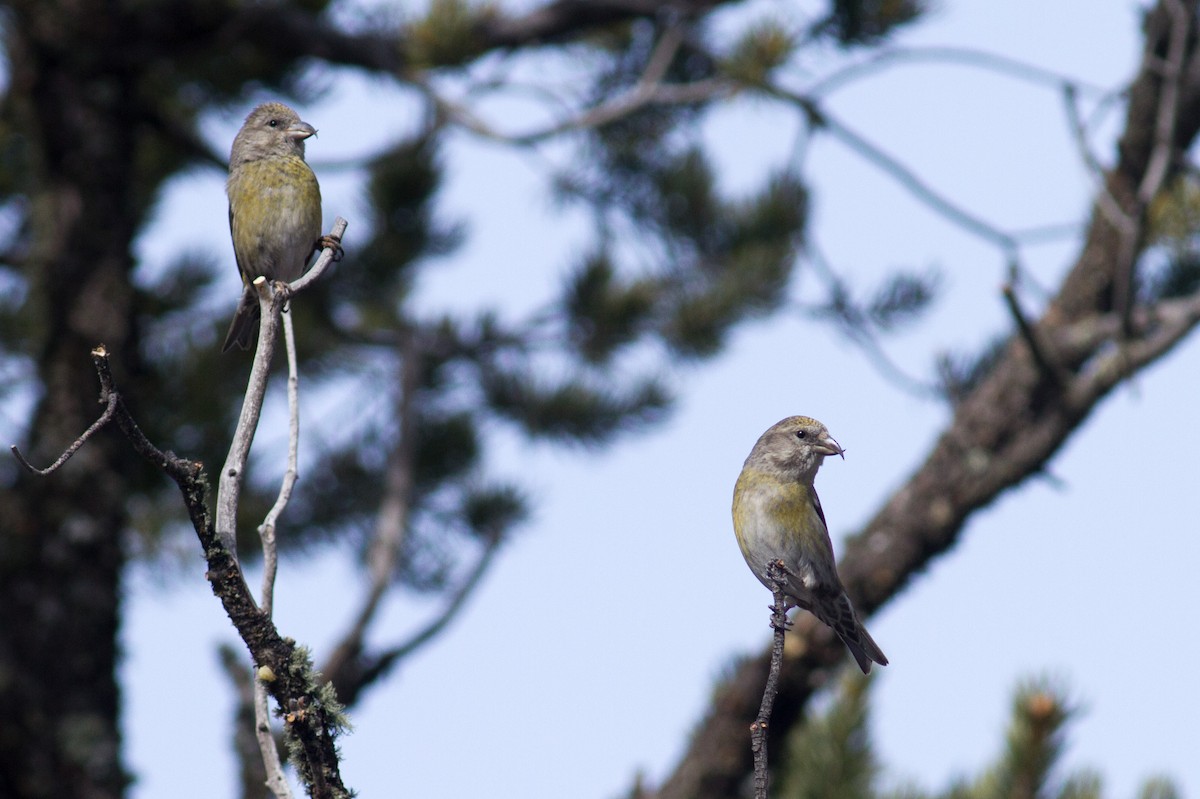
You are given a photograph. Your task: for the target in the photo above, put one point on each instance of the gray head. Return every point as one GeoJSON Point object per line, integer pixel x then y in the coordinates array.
{"type": "Point", "coordinates": [271, 129]}
{"type": "Point", "coordinates": [796, 447]}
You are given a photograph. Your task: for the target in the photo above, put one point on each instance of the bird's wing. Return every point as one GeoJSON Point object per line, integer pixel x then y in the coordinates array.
{"type": "Point", "coordinates": [816, 501]}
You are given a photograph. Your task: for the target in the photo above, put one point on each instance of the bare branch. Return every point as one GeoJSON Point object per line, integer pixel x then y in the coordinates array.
{"type": "Point", "coordinates": [315, 718]}
{"type": "Point", "coordinates": [1168, 104]}
{"type": "Point", "coordinates": [320, 770]}
{"type": "Point", "coordinates": [641, 95]}
{"type": "Point", "coordinates": [268, 751]}
{"type": "Point", "coordinates": [266, 531]}
{"type": "Point", "coordinates": [1162, 155]}
{"type": "Point", "coordinates": [358, 670]}
{"type": "Point", "coordinates": [1049, 369]}
{"type": "Point", "coordinates": [1166, 325]}
{"type": "Point", "coordinates": [1079, 132]}
{"type": "Point", "coordinates": [271, 302]}
{"type": "Point", "coordinates": [329, 255]}
{"type": "Point", "coordinates": [821, 119]}
{"type": "Point", "coordinates": [861, 336]}
{"type": "Point", "coordinates": [392, 655]}
{"type": "Point", "coordinates": [391, 524]}
{"type": "Point", "coordinates": [252, 776]}
{"type": "Point", "coordinates": [104, 419]}
{"type": "Point", "coordinates": [276, 781]}
{"type": "Point", "coordinates": [562, 19]}
{"type": "Point", "coordinates": [229, 486]}
{"type": "Point", "coordinates": [992, 62]}
{"type": "Point", "coordinates": [761, 727]}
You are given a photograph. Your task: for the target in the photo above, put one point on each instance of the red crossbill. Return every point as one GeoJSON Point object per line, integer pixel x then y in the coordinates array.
{"type": "Point", "coordinates": [274, 207]}
{"type": "Point", "coordinates": [777, 516]}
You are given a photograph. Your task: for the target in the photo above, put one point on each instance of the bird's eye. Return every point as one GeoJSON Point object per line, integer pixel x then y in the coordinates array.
{"type": "Point", "coordinates": [800, 434]}
{"type": "Point", "coordinates": [274, 123]}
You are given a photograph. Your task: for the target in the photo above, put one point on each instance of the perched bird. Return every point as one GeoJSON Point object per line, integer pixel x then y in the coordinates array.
{"type": "Point", "coordinates": [274, 207]}
{"type": "Point", "coordinates": [777, 516]}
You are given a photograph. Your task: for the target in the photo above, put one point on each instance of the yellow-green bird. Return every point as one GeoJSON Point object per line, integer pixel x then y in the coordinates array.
{"type": "Point", "coordinates": [777, 516]}
{"type": "Point", "coordinates": [274, 207]}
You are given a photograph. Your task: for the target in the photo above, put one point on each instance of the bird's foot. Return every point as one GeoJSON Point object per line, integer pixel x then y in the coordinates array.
{"type": "Point", "coordinates": [284, 288]}
{"type": "Point", "coordinates": [779, 620]}
{"type": "Point", "coordinates": [331, 242]}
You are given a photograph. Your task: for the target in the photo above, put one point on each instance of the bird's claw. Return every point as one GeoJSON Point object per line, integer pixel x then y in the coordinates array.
{"type": "Point", "coordinates": [331, 242]}
{"type": "Point", "coordinates": [284, 288]}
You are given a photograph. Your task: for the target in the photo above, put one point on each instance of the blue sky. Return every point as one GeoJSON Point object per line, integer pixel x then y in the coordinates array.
{"type": "Point", "coordinates": [591, 650]}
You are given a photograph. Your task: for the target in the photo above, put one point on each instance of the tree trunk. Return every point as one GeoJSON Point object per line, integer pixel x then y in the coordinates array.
{"type": "Point", "coordinates": [60, 536]}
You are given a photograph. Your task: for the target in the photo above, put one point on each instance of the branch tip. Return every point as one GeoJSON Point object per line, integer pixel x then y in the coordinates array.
{"type": "Point", "coordinates": [1051, 370]}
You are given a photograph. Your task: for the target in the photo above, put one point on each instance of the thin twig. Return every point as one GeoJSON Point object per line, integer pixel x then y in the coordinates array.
{"type": "Point", "coordinates": [759, 730]}
{"type": "Point", "coordinates": [649, 90]}
{"type": "Point", "coordinates": [821, 119]}
{"type": "Point", "coordinates": [1046, 365]}
{"type": "Point", "coordinates": [245, 745]}
{"type": "Point", "coordinates": [271, 303]}
{"type": "Point", "coordinates": [859, 334]}
{"type": "Point", "coordinates": [104, 419]}
{"type": "Point", "coordinates": [229, 486]}
{"type": "Point", "coordinates": [328, 257]}
{"type": "Point", "coordinates": [391, 523]}
{"type": "Point", "coordinates": [992, 62]}
{"type": "Point", "coordinates": [1079, 132]}
{"type": "Point", "coordinates": [635, 99]}
{"type": "Point", "coordinates": [379, 664]}
{"type": "Point", "coordinates": [1049, 232]}
{"type": "Point", "coordinates": [266, 531]}
{"type": "Point", "coordinates": [660, 60]}
{"type": "Point", "coordinates": [276, 781]}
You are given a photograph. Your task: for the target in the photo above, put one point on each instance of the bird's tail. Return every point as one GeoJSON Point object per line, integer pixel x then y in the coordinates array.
{"type": "Point", "coordinates": [839, 614]}
{"type": "Point", "coordinates": [245, 322]}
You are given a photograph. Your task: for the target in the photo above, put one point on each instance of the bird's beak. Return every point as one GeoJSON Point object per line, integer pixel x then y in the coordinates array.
{"type": "Point", "coordinates": [827, 446]}
{"type": "Point", "coordinates": [300, 131]}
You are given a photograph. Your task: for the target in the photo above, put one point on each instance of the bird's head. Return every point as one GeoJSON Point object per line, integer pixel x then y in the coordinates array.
{"type": "Point", "coordinates": [271, 129]}
{"type": "Point", "coordinates": [797, 445]}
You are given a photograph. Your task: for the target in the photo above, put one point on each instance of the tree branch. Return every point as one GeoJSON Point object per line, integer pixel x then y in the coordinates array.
{"type": "Point", "coordinates": [758, 730]}
{"type": "Point", "coordinates": [276, 781]}
{"type": "Point", "coordinates": [567, 19]}
{"type": "Point", "coordinates": [391, 525]}
{"type": "Point", "coordinates": [271, 302]}
{"type": "Point", "coordinates": [993, 62]}
{"type": "Point", "coordinates": [350, 667]}
{"type": "Point", "coordinates": [105, 418]}
{"type": "Point", "coordinates": [821, 119]}
{"type": "Point", "coordinates": [252, 775]}
{"type": "Point", "coordinates": [359, 672]}
{"type": "Point", "coordinates": [293, 33]}
{"type": "Point", "coordinates": [314, 717]}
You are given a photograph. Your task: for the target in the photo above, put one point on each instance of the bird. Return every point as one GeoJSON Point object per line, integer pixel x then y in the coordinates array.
{"type": "Point", "coordinates": [274, 208]}
{"type": "Point", "coordinates": [777, 516]}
